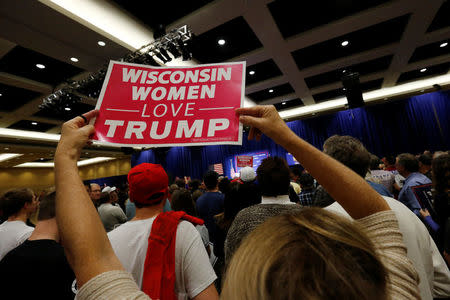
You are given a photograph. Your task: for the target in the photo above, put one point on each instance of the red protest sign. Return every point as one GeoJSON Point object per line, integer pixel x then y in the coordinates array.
{"type": "Point", "coordinates": [244, 161]}
{"type": "Point", "coordinates": [170, 106]}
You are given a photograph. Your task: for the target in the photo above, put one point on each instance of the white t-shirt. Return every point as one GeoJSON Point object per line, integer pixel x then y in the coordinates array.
{"type": "Point", "coordinates": [422, 251]}
{"type": "Point", "coordinates": [12, 234]}
{"type": "Point", "coordinates": [193, 271]}
{"type": "Point", "coordinates": [385, 178]}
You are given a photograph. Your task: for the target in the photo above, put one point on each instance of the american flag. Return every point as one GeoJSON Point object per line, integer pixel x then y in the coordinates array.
{"type": "Point", "coordinates": [218, 168]}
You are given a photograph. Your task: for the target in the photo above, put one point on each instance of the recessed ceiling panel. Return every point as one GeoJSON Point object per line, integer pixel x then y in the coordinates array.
{"type": "Point", "coordinates": [31, 125]}
{"type": "Point", "coordinates": [293, 17]}
{"type": "Point", "coordinates": [12, 97]}
{"type": "Point", "coordinates": [66, 113]}
{"type": "Point", "coordinates": [289, 104]}
{"type": "Point", "coordinates": [272, 92]}
{"type": "Point", "coordinates": [226, 41]}
{"type": "Point", "coordinates": [336, 93]}
{"type": "Point", "coordinates": [33, 65]}
{"type": "Point", "coordinates": [165, 12]}
{"type": "Point", "coordinates": [358, 41]}
{"type": "Point", "coordinates": [442, 18]}
{"type": "Point", "coordinates": [261, 71]}
{"type": "Point", "coordinates": [364, 68]}
{"type": "Point", "coordinates": [425, 72]}
{"type": "Point", "coordinates": [431, 50]}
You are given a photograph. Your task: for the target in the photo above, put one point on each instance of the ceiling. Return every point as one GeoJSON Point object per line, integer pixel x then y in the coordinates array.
{"type": "Point", "coordinates": [296, 53]}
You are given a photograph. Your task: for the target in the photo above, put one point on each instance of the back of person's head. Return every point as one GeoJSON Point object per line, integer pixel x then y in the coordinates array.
{"type": "Point", "coordinates": [104, 198]}
{"type": "Point", "coordinates": [409, 162]}
{"type": "Point", "coordinates": [274, 176]}
{"type": "Point", "coordinates": [425, 159]}
{"type": "Point", "coordinates": [296, 172]}
{"type": "Point", "coordinates": [249, 194]}
{"type": "Point", "coordinates": [47, 207]}
{"type": "Point", "coordinates": [180, 183]}
{"type": "Point", "coordinates": [224, 184]}
{"type": "Point", "coordinates": [194, 184]}
{"type": "Point", "coordinates": [196, 194]}
{"type": "Point", "coordinates": [306, 181]}
{"type": "Point", "coordinates": [247, 174]}
{"type": "Point", "coordinates": [211, 179]}
{"type": "Point", "coordinates": [173, 187]}
{"type": "Point", "coordinates": [14, 200]}
{"type": "Point", "coordinates": [311, 254]}
{"type": "Point", "coordinates": [375, 162]}
{"type": "Point", "coordinates": [437, 154]}
{"type": "Point", "coordinates": [232, 203]}
{"type": "Point", "coordinates": [390, 159]}
{"type": "Point", "coordinates": [441, 173]}
{"type": "Point", "coordinates": [349, 151]}
{"type": "Point", "coordinates": [148, 185]}
{"type": "Point", "coordinates": [182, 200]}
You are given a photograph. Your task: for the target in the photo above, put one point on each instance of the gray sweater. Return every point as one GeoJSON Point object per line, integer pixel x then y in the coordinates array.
{"type": "Point", "coordinates": [247, 220]}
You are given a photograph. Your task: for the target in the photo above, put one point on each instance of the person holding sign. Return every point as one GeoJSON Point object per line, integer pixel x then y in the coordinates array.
{"type": "Point", "coordinates": [99, 273]}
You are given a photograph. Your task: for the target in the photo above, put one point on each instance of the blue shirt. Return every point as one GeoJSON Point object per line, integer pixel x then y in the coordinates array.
{"type": "Point", "coordinates": [381, 189]}
{"type": "Point", "coordinates": [208, 205]}
{"type": "Point", "coordinates": [406, 195]}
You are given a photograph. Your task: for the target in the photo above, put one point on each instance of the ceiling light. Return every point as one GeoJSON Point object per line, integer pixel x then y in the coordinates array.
{"type": "Point", "coordinates": [251, 72]}
{"type": "Point", "coordinates": [343, 89]}
{"type": "Point", "coordinates": [270, 91]}
{"type": "Point", "coordinates": [6, 156]}
{"type": "Point", "coordinates": [423, 70]}
{"type": "Point", "coordinates": [40, 66]}
{"type": "Point", "coordinates": [67, 108]}
{"type": "Point", "coordinates": [6, 148]}
{"type": "Point", "coordinates": [51, 165]}
{"type": "Point", "coordinates": [284, 103]}
{"type": "Point", "coordinates": [101, 43]}
{"type": "Point", "coordinates": [443, 45]}
{"type": "Point", "coordinates": [221, 42]}
{"type": "Point", "coordinates": [344, 43]}
{"type": "Point", "coordinates": [74, 59]}
{"type": "Point", "coordinates": [343, 71]}
{"type": "Point", "coordinates": [1, 95]}
{"type": "Point", "coordinates": [33, 123]}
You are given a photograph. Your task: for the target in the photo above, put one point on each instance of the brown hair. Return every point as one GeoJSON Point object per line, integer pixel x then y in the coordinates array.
{"type": "Point", "coordinates": [47, 207]}
{"type": "Point", "coordinates": [274, 176]}
{"type": "Point", "coordinates": [409, 162]}
{"type": "Point", "coordinates": [14, 200]}
{"type": "Point", "coordinates": [310, 254]}
{"type": "Point", "coordinates": [349, 151]}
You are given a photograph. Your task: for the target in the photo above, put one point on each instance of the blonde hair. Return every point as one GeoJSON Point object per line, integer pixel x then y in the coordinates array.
{"type": "Point", "coordinates": [310, 254]}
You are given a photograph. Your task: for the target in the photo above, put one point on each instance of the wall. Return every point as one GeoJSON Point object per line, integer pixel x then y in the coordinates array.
{"type": "Point", "coordinates": [41, 178]}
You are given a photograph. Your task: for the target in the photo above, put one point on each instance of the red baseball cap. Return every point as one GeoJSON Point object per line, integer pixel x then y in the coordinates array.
{"type": "Point", "coordinates": [146, 182]}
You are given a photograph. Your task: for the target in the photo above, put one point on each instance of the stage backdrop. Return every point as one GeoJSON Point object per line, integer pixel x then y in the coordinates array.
{"type": "Point", "coordinates": [411, 125]}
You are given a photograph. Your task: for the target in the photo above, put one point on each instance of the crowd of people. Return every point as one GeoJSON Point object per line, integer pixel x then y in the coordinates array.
{"type": "Point", "coordinates": [347, 225]}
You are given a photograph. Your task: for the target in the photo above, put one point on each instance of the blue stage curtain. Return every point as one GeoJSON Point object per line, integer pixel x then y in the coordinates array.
{"type": "Point", "coordinates": [412, 125]}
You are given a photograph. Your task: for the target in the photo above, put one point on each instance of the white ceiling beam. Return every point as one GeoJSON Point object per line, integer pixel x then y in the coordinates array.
{"type": "Point", "coordinates": [271, 82]}
{"type": "Point", "coordinates": [212, 15]}
{"type": "Point", "coordinates": [420, 20]}
{"type": "Point", "coordinates": [263, 25]}
{"type": "Point", "coordinates": [279, 99]}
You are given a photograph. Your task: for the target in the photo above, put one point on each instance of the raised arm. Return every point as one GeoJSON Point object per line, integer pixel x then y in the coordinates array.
{"type": "Point", "coordinates": [344, 185]}
{"type": "Point", "coordinates": [85, 242]}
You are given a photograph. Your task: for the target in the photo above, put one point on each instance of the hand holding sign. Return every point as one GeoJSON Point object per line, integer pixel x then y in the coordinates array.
{"type": "Point", "coordinates": [148, 106]}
